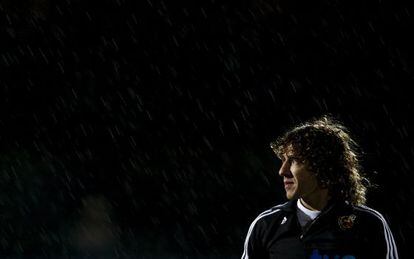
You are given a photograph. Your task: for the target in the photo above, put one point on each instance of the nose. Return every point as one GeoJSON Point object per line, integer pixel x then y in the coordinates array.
{"type": "Point", "coordinates": [284, 169]}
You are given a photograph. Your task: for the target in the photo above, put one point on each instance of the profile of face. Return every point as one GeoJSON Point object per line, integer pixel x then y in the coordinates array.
{"type": "Point", "coordinates": [298, 180]}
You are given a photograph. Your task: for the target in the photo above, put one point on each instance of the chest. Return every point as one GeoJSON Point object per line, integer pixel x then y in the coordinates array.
{"type": "Point", "coordinates": [323, 241]}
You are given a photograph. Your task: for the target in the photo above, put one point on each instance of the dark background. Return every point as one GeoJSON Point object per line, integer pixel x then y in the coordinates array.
{"type": "Point", "coordinates": [142, 128]}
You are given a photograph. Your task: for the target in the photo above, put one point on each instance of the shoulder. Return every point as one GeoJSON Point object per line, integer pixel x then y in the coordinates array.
{"type": "Point", "coordinates": [275, 210]}
{"type": "Point", "coordinates": [371, 219]}
{"type": "Point", "coordinates": [369, 213]}
{"type": "Point", "coordinates": [269, 215]}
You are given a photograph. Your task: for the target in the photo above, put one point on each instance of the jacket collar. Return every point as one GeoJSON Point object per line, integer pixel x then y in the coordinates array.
{"type": "Point", "coordinates": [289, 206]}
{"type": "Point", "coordinates": [332, 205]}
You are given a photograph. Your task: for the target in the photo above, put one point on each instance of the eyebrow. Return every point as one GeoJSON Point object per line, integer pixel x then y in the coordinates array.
{"type": "Point", "coordinates": [287, 157]}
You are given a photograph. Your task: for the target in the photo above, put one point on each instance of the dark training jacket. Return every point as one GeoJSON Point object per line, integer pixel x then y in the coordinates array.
{"type": "Point", "coordinates": [341, 231]}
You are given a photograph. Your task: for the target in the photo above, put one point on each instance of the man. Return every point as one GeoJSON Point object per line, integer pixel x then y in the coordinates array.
{"type": "Point", "coordinates": [325, 217]}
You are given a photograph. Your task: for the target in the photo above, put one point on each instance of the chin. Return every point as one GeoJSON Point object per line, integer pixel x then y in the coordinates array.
{"type": "Point", "coordinates": [290, 196]}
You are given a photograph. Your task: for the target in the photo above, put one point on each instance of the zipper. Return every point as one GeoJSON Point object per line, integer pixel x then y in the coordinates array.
{"type": "Point", "coordinates": [313, 222]}
{"type": "Point", "coordinates": [307, 229]}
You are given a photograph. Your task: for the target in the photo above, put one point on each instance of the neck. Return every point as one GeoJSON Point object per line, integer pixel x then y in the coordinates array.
{"type": "Point", "coordinates": [316, 201]}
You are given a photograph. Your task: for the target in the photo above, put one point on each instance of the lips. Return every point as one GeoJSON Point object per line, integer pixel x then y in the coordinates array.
{"type": "Point", "coordinates": [288, 184]}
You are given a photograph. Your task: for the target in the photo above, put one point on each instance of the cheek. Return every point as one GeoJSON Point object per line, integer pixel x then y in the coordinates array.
{"type": "Point", "coordinates": [311, 183]}
{"type": "Point", "coordinates": [304, 179]}
{"type": "Point", "coordinates": [298, 176]}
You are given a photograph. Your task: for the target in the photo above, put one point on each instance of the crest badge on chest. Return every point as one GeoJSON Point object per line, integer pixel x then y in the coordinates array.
{"type": "Point", "coordinates": [346, 222]}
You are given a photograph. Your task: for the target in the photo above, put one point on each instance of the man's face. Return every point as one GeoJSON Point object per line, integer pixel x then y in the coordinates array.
{"type": "Point", "coordinates": [299, 182]}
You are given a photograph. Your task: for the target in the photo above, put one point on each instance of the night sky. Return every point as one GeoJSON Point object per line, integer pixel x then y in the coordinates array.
{"type": "Point", "coordinates": [141, 129]}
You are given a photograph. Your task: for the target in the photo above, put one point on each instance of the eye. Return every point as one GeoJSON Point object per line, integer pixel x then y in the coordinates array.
{"type": "Point", "coordinates": [294, 160]}
{"type": "Point", "coordinates": [290, 160]}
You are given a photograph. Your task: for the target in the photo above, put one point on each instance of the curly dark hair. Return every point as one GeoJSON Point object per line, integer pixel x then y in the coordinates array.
{"type": "Point", "coordinates": [325, 145]}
